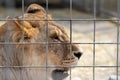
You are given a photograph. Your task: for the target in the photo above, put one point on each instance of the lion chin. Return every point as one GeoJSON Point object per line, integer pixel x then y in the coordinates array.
{"type": "Point", "coordinates": [26, 54]}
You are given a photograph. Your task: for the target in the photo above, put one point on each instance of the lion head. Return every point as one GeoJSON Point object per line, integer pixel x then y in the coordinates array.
{"type": "Point", "coordinates": [36, 41]}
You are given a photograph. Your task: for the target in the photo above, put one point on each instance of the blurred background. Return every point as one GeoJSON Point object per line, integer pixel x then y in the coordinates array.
{"type": "Point", "coordinates": [103, 7]}
{"type": "Point", "coordinates": [105, 54]}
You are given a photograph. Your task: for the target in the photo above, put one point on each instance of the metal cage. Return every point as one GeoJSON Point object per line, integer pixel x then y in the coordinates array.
{"type": "Point", "coordinates": [94, 7]}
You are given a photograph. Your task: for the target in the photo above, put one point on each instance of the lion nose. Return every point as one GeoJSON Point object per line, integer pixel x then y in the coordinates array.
{"type": "Point", "coordinates": [78, 54]}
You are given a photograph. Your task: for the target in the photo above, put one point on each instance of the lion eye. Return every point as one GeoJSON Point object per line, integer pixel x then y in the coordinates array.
{"type": "Point", "coordinates": [56, 37]}
{"type": "Point", "coordinates": [34, 26]}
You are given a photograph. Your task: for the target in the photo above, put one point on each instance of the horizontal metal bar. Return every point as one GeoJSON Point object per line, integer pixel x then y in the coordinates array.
{"type": "Point", "coordinates": [92, 19]}
{"type": "Point", "coordinates": [22, 43]}
{"type": "Point", "coordinates": [58, 66]}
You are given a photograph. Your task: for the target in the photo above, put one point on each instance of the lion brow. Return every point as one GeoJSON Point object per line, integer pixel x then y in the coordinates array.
{"type": "Point", "coordinates": [33, 11]}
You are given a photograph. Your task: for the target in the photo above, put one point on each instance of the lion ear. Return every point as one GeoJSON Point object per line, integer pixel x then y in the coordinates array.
{"type": "Point", "coordinates": [3, 29]}
{"type": "Point", "coordinates": [34, 8]}
{"type": "Point", "coordinates": [17, 25]}
{"type": "Point", "coordinates": [6, 28]}
{"type": "Point", "coordinates": [2, 32]}
{"type": "Point", "coordinates": [11, 24]}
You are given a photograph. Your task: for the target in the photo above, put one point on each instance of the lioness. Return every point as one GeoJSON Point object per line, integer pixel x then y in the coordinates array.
{"type": "Point", "coordinates": [31, 46]}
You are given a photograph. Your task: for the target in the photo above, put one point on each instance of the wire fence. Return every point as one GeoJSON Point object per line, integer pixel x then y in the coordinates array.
{"type": "Point", "coordinates": [95, 10]}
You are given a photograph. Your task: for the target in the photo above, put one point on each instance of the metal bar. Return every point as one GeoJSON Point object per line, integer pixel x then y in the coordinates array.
{"type": "Point", "coordinates": [70, 36]}
{"type": "Point", "coordinates": [117, 51]}
{"type": "Point", "coordinates": [22, 69]}
{"type": "Point", "coordinates": [94, 35]}
{"type": "Point", "coordinates": [14, 43]}
{"type": "Point", "coordinates": [118, 12]}
{"type": "Point", "coordinates": [70, 46]}
{"type": "Point", "coordinates": [58, 66]}
{"type": "Point", "coordinates": [114, 19]}
{"type": "Point", "coordinates": [94, 66]}
{"type": "Point", "coordinates": [46, 40]}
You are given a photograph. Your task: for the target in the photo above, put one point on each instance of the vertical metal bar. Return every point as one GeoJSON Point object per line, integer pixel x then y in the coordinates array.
{"type": "Point", "coordinates": [117, 62]}
{"type": "Point", "coordinates": [70, 45]}
{"type": "Point", "coordinates": [94, 34]}
{"type": "Point", "coordinates": [118, 14]}
{"type": "Point", "coordinates": [22, 70]}
{"type": "Point", "coordinates": [70, 35]}
{"type": "Point", "coordinates": [46, 40]}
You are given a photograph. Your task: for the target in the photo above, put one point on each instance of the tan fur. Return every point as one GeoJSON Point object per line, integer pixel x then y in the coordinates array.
{"type": "Point", "coordinates": [34, 53]}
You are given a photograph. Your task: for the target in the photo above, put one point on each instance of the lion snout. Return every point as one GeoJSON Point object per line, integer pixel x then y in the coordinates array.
{"type": "Point", "coordinates": [77, 54]}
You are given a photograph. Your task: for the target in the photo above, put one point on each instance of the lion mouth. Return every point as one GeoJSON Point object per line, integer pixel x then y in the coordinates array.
{"type": "Point", "coordinates": [59, 74]}
{"type": "Point", "coordinates": [70, 62]}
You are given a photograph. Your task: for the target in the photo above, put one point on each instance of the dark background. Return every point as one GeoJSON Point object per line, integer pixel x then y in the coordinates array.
{"type": "Point", "coordinates": [108, 7]}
